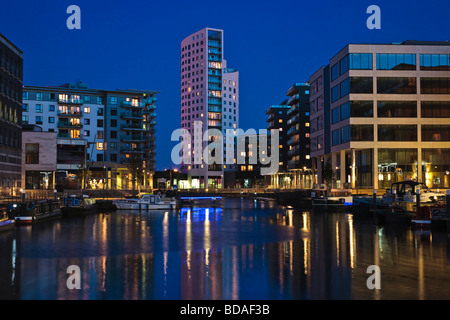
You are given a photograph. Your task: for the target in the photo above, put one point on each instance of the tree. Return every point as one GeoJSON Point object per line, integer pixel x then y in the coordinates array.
{"type": "Point", "coordinates": [84, 174]}
{"type": "Point", "coordinates": [328, 175]}
{"type": "Point", "coordinates": [136, 169]}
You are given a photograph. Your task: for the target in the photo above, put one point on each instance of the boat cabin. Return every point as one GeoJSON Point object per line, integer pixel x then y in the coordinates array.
{"type": "Point", "coordinates": [405, 187]}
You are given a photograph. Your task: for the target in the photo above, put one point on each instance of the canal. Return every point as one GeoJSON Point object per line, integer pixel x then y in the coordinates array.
{"type": "Point", "coordinates": [246, 250]}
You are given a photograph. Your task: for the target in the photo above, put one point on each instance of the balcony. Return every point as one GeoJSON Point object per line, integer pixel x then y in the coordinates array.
{"type": "Point", "coordinates": [131, 116]}
{"type": "Point", "coordinates": [293, 99]}
{"type": "Point", "coordinates": [215, 50]}
{"type": "Point", "coordinates": [62, 124]}
{"type": "Point", "coordinates": [214, 58]}
{"type": "Point", "coordinates": [131, 150]}
{"type": "Point", "coordinates": [293, 109]}
{"type": "Point", "coordinates": [214, 109]}
{"type": "Point", "coordinates": [132, 127]}
{"type": "Point", "coordinates": [214, 80]}
{"type": "Point", "coordinates": [214, 72]}
{"type": "Point", "coordinates": [215, 101]}
{"type": "Point", "coordinates": [132, 138]}
{"type": "Point", "coordinates": [213, 86]}
{"type": "Point", "coordinates": [70, 101]}
{"type": "Point", "coordinates": [69, 113]}
{"type": "Point", "coordinates": [270, 117]}
{"type": "Point", "coordinates": [67, 136]}
{"type": "Point", "coordinates": [148, 101]}
{"type": "Point", "coordinates": [149, 109]}
{"type": "Point", "coordinates": [129, 104]}
{"type": "Point", "coordinates": [215, 44]}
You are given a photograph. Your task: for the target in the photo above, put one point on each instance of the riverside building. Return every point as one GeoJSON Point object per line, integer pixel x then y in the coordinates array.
{"type": "Point", "coordinates": [111, 133]}
{"type": "Point", "coordinates": [382, 114]}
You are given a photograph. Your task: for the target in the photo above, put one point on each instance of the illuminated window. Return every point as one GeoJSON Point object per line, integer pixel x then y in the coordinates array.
{"type": "Point", "coordinates": [307, 156]}
{"type": "Point", "coordinates": [280, 121]}
{"type": "Point", "coordinates": [243, 168]}
{"type": "Point", "coordinates": [99, 145]}
{"type": "Point", "coordinates": [307, 124]}
{"type": "Point", "coordinates": [307, 135]}
{"type": "Point", "coordinates": [87, 110]}
{"type": "Point", "coordinates": [250, 168]}
{"type": "Point", "coordinates": [281, 146]}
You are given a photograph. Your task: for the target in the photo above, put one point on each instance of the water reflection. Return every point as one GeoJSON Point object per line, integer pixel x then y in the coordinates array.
{"type": "Point", "coordinates": [245, 250]}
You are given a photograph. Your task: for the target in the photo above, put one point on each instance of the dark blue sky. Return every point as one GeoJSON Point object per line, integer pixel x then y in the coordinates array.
{"type": "Point", "coordinates": [136, 44]}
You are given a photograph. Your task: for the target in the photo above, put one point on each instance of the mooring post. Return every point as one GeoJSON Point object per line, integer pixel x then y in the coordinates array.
{"type": "Point", "coordinates": [374, 199]}
{"type": "Point", "coordinates": [417, 199]}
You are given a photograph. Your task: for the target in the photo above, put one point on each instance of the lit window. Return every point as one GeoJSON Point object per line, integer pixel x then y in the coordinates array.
{"type": "Point", "coordinates": [280, 121]}
{"type": "Point", "coordinates": [87, 110]}
{"type": "Point", "coordinates": [99, 145]}
{"type": "Point", "coordinates": [307, 156]}
{"type": "Point", "coordinates": [281, 146]}
{"type": "Point", "coordinates": [307, 124]}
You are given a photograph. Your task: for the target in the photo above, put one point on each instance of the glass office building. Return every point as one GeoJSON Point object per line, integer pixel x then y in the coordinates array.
{"type": "Point", "coordinates": [388, 115]}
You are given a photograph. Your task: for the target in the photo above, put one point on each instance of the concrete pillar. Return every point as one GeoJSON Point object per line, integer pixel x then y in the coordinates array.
{"type": "Point", "coordinates": [319, 171]}
{"type": "Point", "coordinates": [353, 185]}
{"type": "Point", "coordinates": [375, 168]}
{"type": "Point", "coordinates": [419, 164]}
{"type": "Point", "coordinates": [343, 169]}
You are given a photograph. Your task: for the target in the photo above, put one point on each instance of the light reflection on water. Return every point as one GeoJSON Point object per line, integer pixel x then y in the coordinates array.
{"type": "Point", "coordinates": [246, 250]}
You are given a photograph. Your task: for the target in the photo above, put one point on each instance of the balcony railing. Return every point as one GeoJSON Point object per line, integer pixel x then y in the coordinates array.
{"type": "Point", "coordinates": [132, 127]}
{"type": "Point", "coordinates": [68, 113]}
{"type": "Point", "coordinates": [149, 100]}
{"type": "Point", "coordinates": [129, 104]}
{"type": "Point", "coordinates": [127, 115]}
{"type": "Point", "coordinates": [212, 43]}
{"type": "Point", "coordinates": [70, 101]}
{"type": "Point", "coordinates": [214, 80]}
{"type": "Point", "coordinates": [215, 101]}
{"type": "Point", "coordinates": [67, 136]}
{"type": "Point", "coordinates": [131, 150]}
{"type": "Point", "coordinates": [62, 124]}
{"type": "Point", "coordinates": [132, 138]}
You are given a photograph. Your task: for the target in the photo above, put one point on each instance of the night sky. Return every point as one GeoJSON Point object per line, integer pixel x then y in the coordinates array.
{"type": "Point", "coordinates": [136, 44]}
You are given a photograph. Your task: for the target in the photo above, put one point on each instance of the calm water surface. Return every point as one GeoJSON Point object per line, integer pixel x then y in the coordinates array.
{"type": "Point", "coordinates": [245, 250]}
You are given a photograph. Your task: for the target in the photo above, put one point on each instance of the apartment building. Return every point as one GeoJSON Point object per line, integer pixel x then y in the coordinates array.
{"type": "Point", "coordinates": [110, 133]}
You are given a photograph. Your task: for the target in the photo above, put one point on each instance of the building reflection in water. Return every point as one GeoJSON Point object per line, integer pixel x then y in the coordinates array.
{"type": "Point", "coordinates": [224, 253]}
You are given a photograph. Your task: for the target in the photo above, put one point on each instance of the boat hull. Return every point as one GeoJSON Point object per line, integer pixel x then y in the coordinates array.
{"type": "Point", "coordinates": [31, 219]}
{"type": "Point", "coordinates": [7, 225]}
{"type": "Point", "coordinates": [123, 205]}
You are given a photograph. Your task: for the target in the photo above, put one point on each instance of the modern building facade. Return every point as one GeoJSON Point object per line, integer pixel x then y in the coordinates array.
{"type": "Point", "coordinates": [291, 119]}
{"type": "Point", "coordinates": [388, 115]}
{"type": "Point", "coordinates": [277, 119]}
{"type": "Point", "coordinates": [209, 101]}
{"type": "Point", "coordinates": [11, 82]}
{"type": "Point", "coordinates": [110, 133]}
{"type": "Point", "coordinates": [298, 135]}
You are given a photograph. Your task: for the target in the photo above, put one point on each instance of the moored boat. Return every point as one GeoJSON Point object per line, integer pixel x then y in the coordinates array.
{"type": "Point", "coordinates": [146, 202]}
{"type": "Point", "coordinates": [74, 205]}
{"type": "Point", "coordinates": [332, 204]}
{"type": "Point", "coordinates": [6, 223]}
{"type": "Point", "coordinates": [33, 212]}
